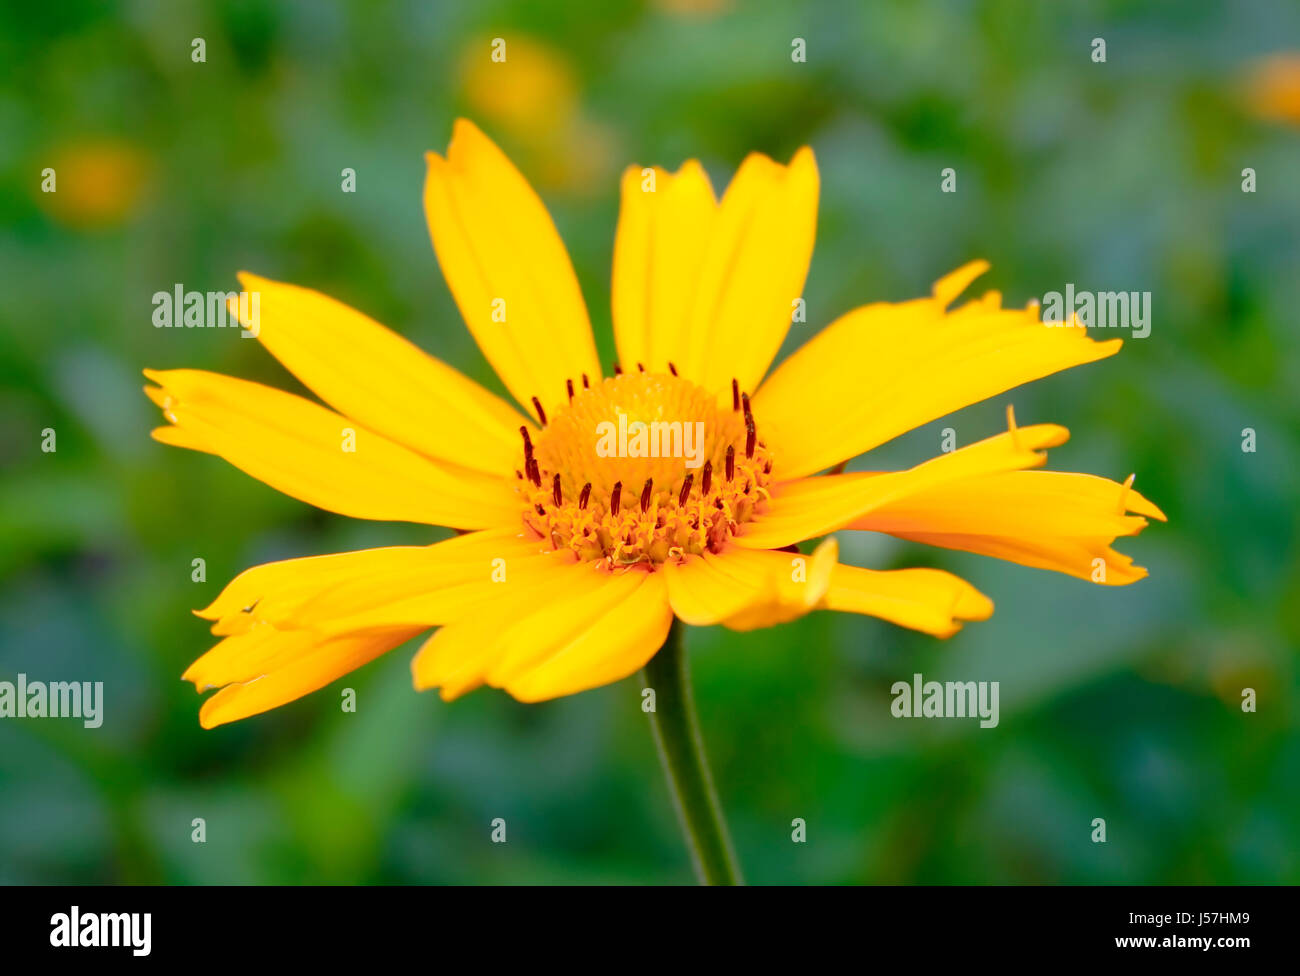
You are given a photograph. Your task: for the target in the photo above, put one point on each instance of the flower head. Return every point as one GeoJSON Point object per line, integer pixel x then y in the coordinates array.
{"type": "Point", "coordinates": [680, 486]}
{"type": "Point", "coordinates": [653, 503]}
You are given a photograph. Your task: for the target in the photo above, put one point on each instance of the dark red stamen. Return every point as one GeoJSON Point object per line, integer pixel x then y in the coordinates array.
{"type": "Point", "coordinates": [534, 472]}
{"type": "Point", "coordinates": [686, 490]}
{"type": "Point", "coordinates": [645, 494]}
{"type": "Point", "coordinates": [586, 383]}
{"type": "Point", "coordinates": [672, 369]}
{"type": "Point", "coordinates": [751, 431]}
{"type": "Point", "coordinates": [585, 494]}
{"type": "Point", "coordinates": [707, 478]}
{"type": "Point", "coordinates": [528, 444]}
{"type": "Point", "coordinates": [616, 498]}
{"type": "Point", "coordinates": [735, 394]}
{"type": "Point", "coordinates": [640, 368]}
{"type": "Point", "coordinates": [569, 384]}
{"type": "Point", "coordinates": [618, 370]}
{"type": "Point", "coordinates": [540, 510]}
{"type": "Point", "coordinates": [541, 414]}
{"type": "Point", "coordinates": [556, 494]}
{"type": "Point", "coordinates": [731, 462]}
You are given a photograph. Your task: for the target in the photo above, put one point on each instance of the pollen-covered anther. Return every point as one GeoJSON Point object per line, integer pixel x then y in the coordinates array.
{"type": "Point", "coordinates": [623, 474]}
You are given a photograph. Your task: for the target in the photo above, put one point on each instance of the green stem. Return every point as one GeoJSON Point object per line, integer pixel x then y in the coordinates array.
{"type": "Point", "coordinates": [681, 749]}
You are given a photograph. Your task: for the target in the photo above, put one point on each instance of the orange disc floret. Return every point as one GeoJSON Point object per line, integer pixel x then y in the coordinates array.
{"type": "Point", "coordinates": [643, 468]}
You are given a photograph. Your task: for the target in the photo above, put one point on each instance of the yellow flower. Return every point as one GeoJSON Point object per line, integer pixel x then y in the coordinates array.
{"type": "Point", "coordinates": [574, 558]}
{"type": "Point", "coordinates": [98, 183]}
{"type": "Point", "coordinates": [1273, 87]}
{"type": "Point", "coordinates": [531, 92]}
{"type": "Point", "coordinates": [532, 96]}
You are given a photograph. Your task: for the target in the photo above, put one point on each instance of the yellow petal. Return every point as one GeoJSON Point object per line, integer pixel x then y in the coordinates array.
{"type": "Point", "coordinates": [442, 594]}
{"type": "Point", "coordinates": [885, 369]}
{"type": "Point", "coordinates": [297, 624]}
{"type": "Point", "coordinates": [1046, 519]}
{"type": "Point", "coordinates": [523, 645]}
{"type": "Point", "coordinates": [617, 644]}
{"type": "Point", "coordinates": [595, 628]}
{"type": "Point", "coordinates": [303, 667]}
{"type": "Point", "coordinates": [810, 507]}
{"type": "Point", "coordinates": [750, 274]}
{"type": "Point", "coordinates": [702, 595]}
{"type": "Point", "coordinates": [928, 600]}
{"type": "Point", "coordinates": [458, 657]}
{"type": "Point", "coordinates": [781, 586]}
{"type": "Point", "coordinates": [791, 584]}
{"type": "Point", "coordinates": [323, 458]}
{"type": "Point", "coordinates": [500, 252]}
{"type": "Point", "coordinates": [665, 223]}
{"type": "Point", "coordinates": [381, 380]}
{"type": "Point", "coordinates": [175, 436]}
{"type": "Point", "coordinates": [311, 590]}
{"type": "Point", "coordinates": [514, 628]}
{"type": "Point", "coordinates": [246, 655]}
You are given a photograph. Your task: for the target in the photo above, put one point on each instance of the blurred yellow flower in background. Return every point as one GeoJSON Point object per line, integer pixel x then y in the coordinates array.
{"type": "Point", "coordinates": [1273, 88]}
{"type": "Point", "coordinates": [528, 90]}
{"type": "Point", "coordinates": [97, 182]}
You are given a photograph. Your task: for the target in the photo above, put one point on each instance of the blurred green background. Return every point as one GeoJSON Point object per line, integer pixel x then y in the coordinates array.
{"type": "Point", "coordinates": [1120, 703]}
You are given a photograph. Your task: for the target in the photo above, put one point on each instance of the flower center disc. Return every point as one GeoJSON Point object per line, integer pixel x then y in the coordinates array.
{"type": "Point", "coordinates": [644, 467]}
